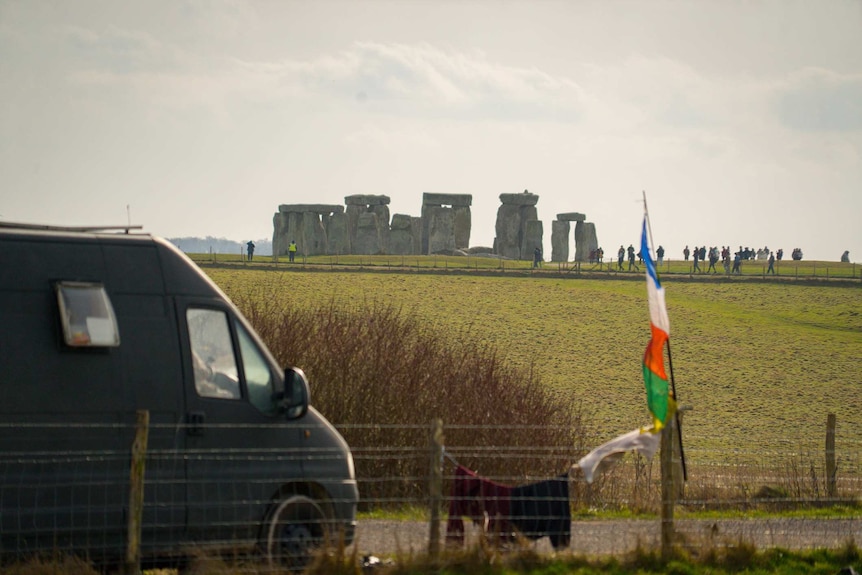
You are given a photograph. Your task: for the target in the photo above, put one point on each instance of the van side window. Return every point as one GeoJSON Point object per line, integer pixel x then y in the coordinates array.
{"type": "Point", "coordinates": [258, 376]}
{"type": "Point", "coordinates": [215, 370]}
{"type": "Point", "coordinates": [87, 315]}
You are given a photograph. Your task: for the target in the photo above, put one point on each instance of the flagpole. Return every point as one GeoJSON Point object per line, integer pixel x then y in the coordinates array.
{"type": "Point", "coordinates": [669, 358]}
{"type": "Point", "coordinates": [676, 414]}
{"type": "Point", "coordinates": [648, 224]}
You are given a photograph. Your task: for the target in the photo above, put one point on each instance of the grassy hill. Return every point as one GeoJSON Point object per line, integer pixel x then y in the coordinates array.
{"type": "Point", "coordinates": [760, 363]}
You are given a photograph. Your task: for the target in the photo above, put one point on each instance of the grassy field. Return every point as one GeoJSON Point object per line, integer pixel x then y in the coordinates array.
{"type": "Point", "coordinates": [760, 363]}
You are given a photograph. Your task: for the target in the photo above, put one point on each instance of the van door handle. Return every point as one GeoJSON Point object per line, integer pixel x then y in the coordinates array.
{"type": "Point", "coordinates": [195, 422]}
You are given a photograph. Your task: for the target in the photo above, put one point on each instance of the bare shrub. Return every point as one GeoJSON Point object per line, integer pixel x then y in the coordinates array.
{"type": "Point", "coordinates": [383, 375]}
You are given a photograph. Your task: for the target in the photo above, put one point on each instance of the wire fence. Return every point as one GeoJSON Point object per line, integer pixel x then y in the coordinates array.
{"type": "Point", "coordinates": [417, 494]}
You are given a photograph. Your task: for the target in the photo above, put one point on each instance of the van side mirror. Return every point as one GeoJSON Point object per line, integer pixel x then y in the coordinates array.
{"type": "Point", "coordinates": [294, 402]}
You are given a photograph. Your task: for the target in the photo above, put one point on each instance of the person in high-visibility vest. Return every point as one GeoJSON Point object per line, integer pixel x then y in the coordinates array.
{"type": "Point", "coordinates": [291, 249]}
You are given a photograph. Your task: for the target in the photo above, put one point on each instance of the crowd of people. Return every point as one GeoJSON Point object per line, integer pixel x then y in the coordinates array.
{"type": "Point", "coordinates": [704, 259]}
{"type": "Point", "coordinates": [746, 253]}
{"type": "Point", "coordinates": [703, 256]}
{"type": "Point", "coordinates": [732, 265]}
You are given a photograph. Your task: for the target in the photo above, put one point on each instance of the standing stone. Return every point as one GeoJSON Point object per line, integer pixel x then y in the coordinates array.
{"type": "Point", "coordinates": [511, 226]}
{"type": "Point", "coordinates": [368, 240]}
{"type": "Point", "coordinates": [463, 225]}
{"type": "Point", "coordinates": [353, 213]}
{"type": "Point", "coordinates": [279, 230]}
{"type": "Point", "coordinates": [507, 242]}
{"type": "Point", "coordinates": [336, 233]}
{"type": "Point", "coordinates": [382, 213]}
{"type": "Point", "coordinates": [441, 230]}
{"type": "Point", "coordinates": [533, 237]}
{"type": "Point", "coordinates": [560, 231]}
{"type": "Point", "coordinates": [401, 235]}
{"type": "Point", "coordinates": [416, 235]}
{"type": "Point", "coordinates": [585, 240]}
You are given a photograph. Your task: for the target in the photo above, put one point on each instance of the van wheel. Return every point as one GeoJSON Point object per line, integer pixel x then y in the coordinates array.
{"type": "Point", "coordinates": [296, 529]}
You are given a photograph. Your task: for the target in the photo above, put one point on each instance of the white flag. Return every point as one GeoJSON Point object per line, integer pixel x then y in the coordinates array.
{"type": "Point", "coordinates": [644, 441]}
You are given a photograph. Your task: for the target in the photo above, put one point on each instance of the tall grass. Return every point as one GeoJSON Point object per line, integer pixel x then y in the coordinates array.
{"type": "Point", "coordinates": [384, 375]}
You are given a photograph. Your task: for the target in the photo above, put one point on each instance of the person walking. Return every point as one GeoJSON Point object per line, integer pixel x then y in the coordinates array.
{"type": "Point", "coordinates": [695, 255]}
{"type": "Point", "coordinates": [713, 259]}
{"type": "Point", "coordinates": [620, 255]}
{"type": "Point", "coordinates": [632, 263]}
{"type": "Point", "coordinates": [737, 260]}
{"type": "Point", "coordinates": [291, 250]}
{"type": "Point", "coordinates": [250, 249]}
{"type": "Point", "coordinates": [537, 257]}
{"type": "Point", "coordinates": [771, 269]}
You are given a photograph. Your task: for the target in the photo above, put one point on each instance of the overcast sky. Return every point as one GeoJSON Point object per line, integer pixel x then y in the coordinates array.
{"type": "Point", "coordinates": [742, 121]}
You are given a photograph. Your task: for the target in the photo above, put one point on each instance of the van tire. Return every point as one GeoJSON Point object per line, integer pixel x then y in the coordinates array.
{"type": "Point", "coordinates": [296, 528]}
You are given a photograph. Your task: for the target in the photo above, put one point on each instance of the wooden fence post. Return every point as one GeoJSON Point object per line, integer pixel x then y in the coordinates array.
{"type": "Point", "coordinates": [435, 486]}
{"type": "Point", "coordinates": [136, 494]}
{"type": "Point", "coordinates": [831, 467]}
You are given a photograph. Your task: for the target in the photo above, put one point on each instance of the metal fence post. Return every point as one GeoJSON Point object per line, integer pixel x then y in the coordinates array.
{"type": "Point", "coordinates": [136, 493]}
{"type": "Point", "coordinates": [435, 486]}
{"type": "Point", "coordinates": [831, 467]}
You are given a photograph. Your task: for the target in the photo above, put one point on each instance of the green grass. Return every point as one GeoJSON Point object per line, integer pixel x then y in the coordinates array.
{"type": "Point", "coordinates": [486, 560]}
{"type": "Point", "coordinates": [737, 557]}
{"type": "Point", "coordinates": [761, 363]}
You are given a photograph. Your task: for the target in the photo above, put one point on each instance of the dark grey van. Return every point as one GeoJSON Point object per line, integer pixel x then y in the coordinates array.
{"type": "Point", "coordinates": [97, 326]}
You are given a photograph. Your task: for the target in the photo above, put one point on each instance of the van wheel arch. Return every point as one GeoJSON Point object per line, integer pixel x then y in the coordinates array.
{"type": "Point", "coordinates": [296, 524]}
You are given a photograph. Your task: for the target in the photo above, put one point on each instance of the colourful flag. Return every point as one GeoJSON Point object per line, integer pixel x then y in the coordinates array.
{"type": "Point", "coordinates": [655, 377]}
{"type": "Point", "coordinates": [644, 441]}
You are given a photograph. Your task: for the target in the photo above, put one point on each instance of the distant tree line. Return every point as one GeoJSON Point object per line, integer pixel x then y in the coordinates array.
{"type": "Point", "coordinates": [209, 244]}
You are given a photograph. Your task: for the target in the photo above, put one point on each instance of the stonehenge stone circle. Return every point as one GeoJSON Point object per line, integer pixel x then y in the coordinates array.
{"type": "Point", "coordinates": [444, 227]}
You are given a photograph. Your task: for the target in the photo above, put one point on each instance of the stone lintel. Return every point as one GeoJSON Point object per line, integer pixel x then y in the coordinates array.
{"type": "Point", "coordinates": [447, 200]}
{"type": "Point", "coordinates": [366, 200]}
{"type": "Point", "coordinates": [315, 208]}
{"type": "Point", "coordinates": [572, 217]}
{"type": "Point", "coordinates": [523, 199]}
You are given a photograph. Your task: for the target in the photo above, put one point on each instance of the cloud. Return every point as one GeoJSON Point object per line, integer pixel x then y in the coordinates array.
{"type": "Point", "coordinates": [815, 100]}
{"type": "Point", "coordinates": [119, 51]}
{"type": "Point", "coordinates": [426, 81]}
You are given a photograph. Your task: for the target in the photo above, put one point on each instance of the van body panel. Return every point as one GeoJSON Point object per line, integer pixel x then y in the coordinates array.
{"type": "Point", "coordinates": [215, 465]}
